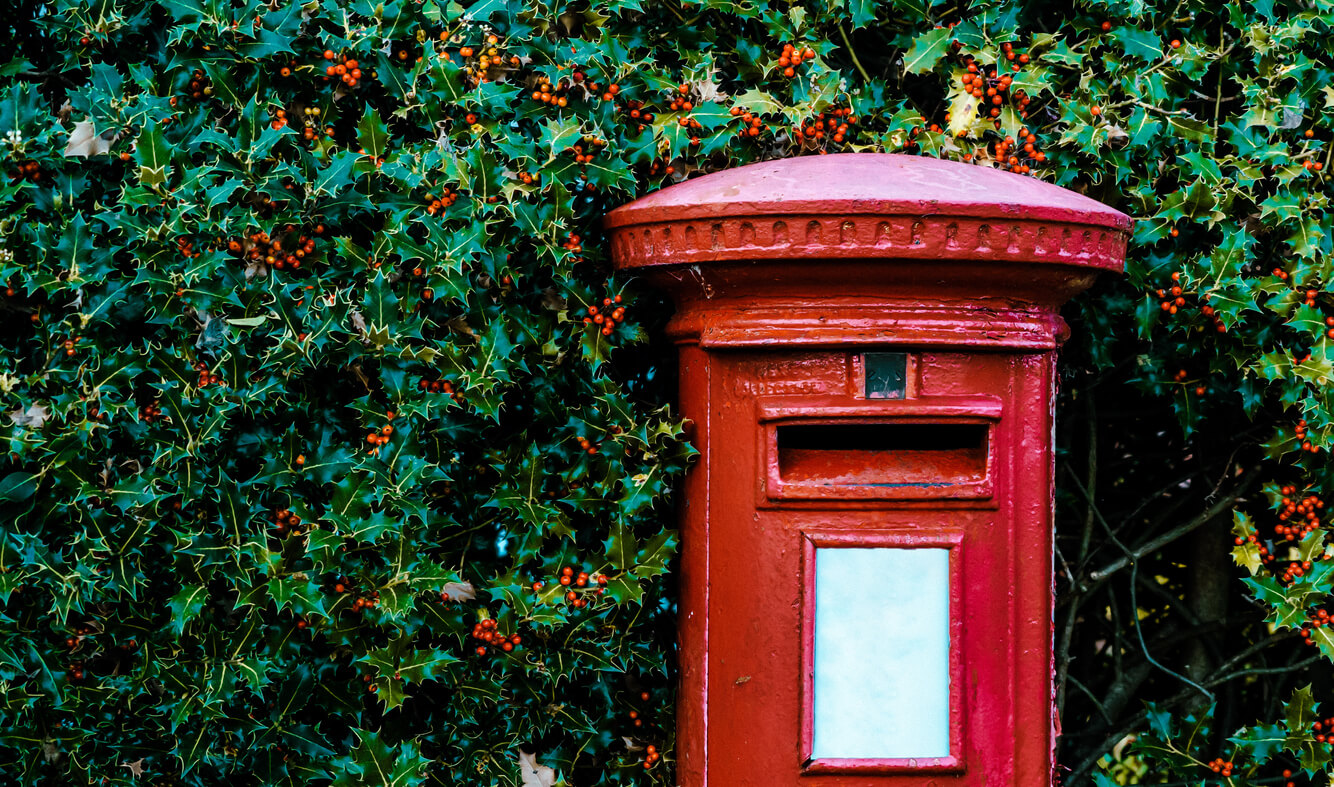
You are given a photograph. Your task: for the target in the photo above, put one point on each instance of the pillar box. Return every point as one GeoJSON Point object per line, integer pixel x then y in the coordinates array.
{"type": "Point", "coordinates": [867, 357]}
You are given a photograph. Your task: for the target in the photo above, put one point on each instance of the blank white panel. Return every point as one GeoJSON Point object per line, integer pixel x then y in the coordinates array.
{"type": "Point", "coordinates": [882, 644]}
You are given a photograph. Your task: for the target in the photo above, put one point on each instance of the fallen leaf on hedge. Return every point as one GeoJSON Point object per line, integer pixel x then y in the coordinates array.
{"type": "Point", "coordinates": [85, 141]}
{"type": "Point", "coordinates": [552, 300]}
{"type": "Point", "coordinates": [534, 775]}
{"type": "Point", "coordinates": [459, 591]}
{"type": "Point", "coordinates": [34, 416]}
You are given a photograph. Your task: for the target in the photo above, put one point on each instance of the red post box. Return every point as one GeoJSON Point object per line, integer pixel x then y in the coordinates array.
{"type": "Point", "coordinates": [867, 355]}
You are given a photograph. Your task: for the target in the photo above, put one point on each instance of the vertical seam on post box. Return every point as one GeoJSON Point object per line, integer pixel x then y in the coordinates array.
{"type": "Point", "coordinates": [1051, 390]}
{"type": "Point", "coordinates": [708, 557]}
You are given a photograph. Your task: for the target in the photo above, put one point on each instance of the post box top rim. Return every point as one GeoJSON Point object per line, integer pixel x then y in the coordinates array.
{"type": "Point", "coordinates": [866, 184]}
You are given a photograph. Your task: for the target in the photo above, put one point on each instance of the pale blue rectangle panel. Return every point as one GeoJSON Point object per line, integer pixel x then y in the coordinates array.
{"type": "Point", "coordinates": [882, 645]}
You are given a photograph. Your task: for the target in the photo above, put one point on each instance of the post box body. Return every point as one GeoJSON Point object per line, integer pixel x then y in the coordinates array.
{"type": "Point", "coordinates": [868, 369]}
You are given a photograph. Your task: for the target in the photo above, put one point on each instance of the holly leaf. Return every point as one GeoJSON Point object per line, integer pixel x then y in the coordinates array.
{"type": "Point", "coordinates": [153, 155]}
{"type": "Point", "coordinates": [926, 50]}
{"type": "Point", "coordinates": [185, 606]}
{"type": "Point", "coordinates": [372, 133]}
{"type": "Point", "coordinates": [377, 763]}
{"type": "Point", "coordinates": [1247, 553]}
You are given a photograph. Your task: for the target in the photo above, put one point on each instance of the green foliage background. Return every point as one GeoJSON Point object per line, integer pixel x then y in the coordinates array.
{"type": "Point", "coordinates": [166, 391]}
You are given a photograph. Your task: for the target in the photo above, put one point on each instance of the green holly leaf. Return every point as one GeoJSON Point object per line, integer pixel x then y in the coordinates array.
{"type": "Point", "coordinates": [1247, 553]}
{"type": "Point", "coordinates": [375, 762]}
{"type": "Point", "coordinates": [372, 134]}
{"type": "Point", "coordinates": [185, 606]}
{"type": "Point", "coordinates": [153, 155]}
{"type": "Point", "coordinates": [926, 50]}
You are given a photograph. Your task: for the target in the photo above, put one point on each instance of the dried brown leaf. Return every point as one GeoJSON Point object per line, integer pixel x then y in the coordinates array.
{"type": "Point", "coordinates": [85, 141]}
{"type": "Point", "coordinates": [534, 775]}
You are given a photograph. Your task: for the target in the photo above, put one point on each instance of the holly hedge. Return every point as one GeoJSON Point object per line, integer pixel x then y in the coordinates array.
{"type": "Point", "coordinates": [334, 452]}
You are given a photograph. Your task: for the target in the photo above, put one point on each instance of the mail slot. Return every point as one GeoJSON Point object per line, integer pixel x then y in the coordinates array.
{"type": "Point", "coordinates": [926, 455]}
{"type": "Point", "coordinates": [867, 361]}
{"type": "Point", "coordinates": [921, 449]}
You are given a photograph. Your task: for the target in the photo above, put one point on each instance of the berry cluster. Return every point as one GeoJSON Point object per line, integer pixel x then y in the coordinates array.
{"type": "Point", "coordinates": [650, 756]}
{"type": "Point", "coordinates": [489, 60]}
{"type": "Point", "coordinates": [793, 57]}
{"type": "Point", "coordinates": [1319, 619]}
{"type": "Point", "coordinates": [1019, 154]}
{"type": "Point", "coordinates": [1324, 733]}
{"type": "Point", "coordinates": [347, 71]}
{"type": "Point", "coordinates": [572, 578]}
{"type": "Point", "coordinates": [69, 344]}
{"type": "Point", "coordinates": [436, 205]}
{"type": "Point", "coordinates": [692, 127]}
{"type": "Point", "coordinates": [380, 436]}
{"type": "Point", "coordinates": [609, 316]}
{"type": "Point", "coordinates": [371, 688]}
{"type": "Point", "coordinates": [1303, 512]}
{"type": "Point", "coordinates": [1012, 56]}
{"type": "Point", "coordinates": [485, 632]}
{"type": "Point", "coordinates": [286, 523]}
{"type": "Point", "coordinates": [200, 87]}
{"type": "Point", "coordinates": [637, 117]}
{"type": "Point", "coordinates": [1173, 299]}
{"type": "Point", "coordinates": [1299, 432]}
{"type": "Point", "coordinates": [81, 631]}
{"type": "Point", "coordinates": [658, 167]}
{"type": "Point", "coordinates": [836, 124]}
{"type": "Point", "coordinates": [150, 412]}
{"type": "Point", "coordinates": [186, 248]}
{"type": "Point", "coordinates": [587, 149]}
{"type": "Point", "coordinates": [1182, 376]}
{"type": "Point", "coordinates": [1221, 766]}
{"type": "Point", "coordinates": [680, 100]}
{"type": "Point", "coordinates": [590, 87]}
{"type": "Point", "coordinates": [992, 88]}
{"type": "Point", "coordinates": [207, 378]}
{"type": "Point", "coordinates": [556, 95]}
{"type": "Point", "coordinates": [310, 121]}
{"type": "Point", "coordinates": [440, 386]}
{"type": "Point", "coordinates": [751, 124]}
{"type": "Point", "coordinates": [362, 602]}
{"type": "Point", "coordinates": [28, 170]}
{"type": "Point", "coordinates": [272, 251]}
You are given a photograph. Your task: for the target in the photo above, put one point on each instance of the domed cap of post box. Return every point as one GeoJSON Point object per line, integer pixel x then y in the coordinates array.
{"type": "Point", "coordinates": [866, 205]}
{"type": "Point", "coordinates": [867, 248]}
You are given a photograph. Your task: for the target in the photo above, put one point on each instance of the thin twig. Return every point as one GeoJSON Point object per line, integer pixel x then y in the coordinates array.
{"type": "Point", "coordinates": [847, 43]}
{"type": "Point", "coordinates": [1134, 603]}
{"type": "Point", "coordinates": [1172, 535]}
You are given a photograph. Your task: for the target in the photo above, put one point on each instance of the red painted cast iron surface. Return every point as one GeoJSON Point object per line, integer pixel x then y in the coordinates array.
{"type": "Point", "coordinates": [783, 275]}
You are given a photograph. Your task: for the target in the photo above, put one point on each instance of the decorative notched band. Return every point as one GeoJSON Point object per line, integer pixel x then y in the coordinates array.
{"type": "Point", "coordinates": [867, 236]}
